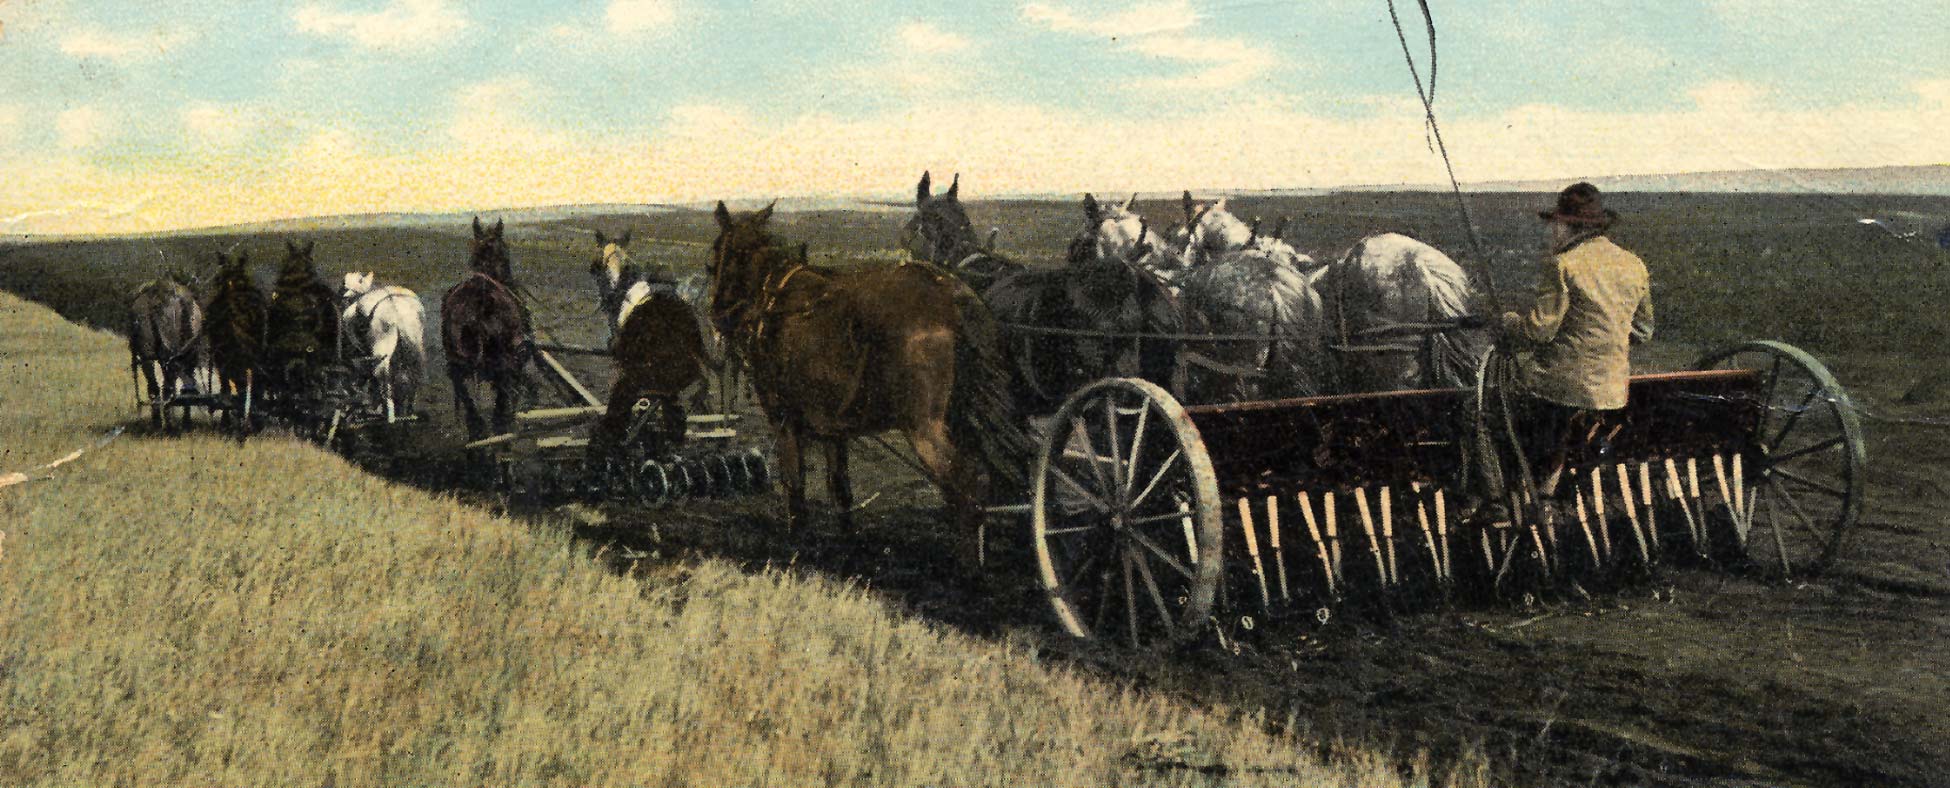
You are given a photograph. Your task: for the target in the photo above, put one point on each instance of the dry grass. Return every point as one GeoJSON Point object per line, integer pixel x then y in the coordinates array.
{"type": "Point", "coordinates": [195, 612]}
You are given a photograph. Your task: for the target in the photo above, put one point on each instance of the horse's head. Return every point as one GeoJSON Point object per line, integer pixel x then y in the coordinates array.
{"type": "Point", "coordinates": [612, 264]}
{"type": "Point", "coordinates": [743, 256]}
{"type": "Point", "coordinates": [488, 252]}
{"type": "Point", "coordinates": [1117, 232]}
{"type": "Point", "coordinates": [1275, 247]}
{"type": "Point", "coordinates": [298, 265]}
{"type": "Point", "coordinates": [1212, 229]}
{"type": "Point", "coordinates": [234, 272]}
{"type": "Point", "coordinates": [356, 284]}
{"type": "Point", "coordinates": [940, 231]}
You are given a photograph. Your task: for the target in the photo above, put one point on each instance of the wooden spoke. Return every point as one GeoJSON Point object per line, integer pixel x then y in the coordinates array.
{"type": "Point", "coordinates": [1157, 596]}
{"type": "Point", "coordinates": [1074, 530]}
{"type": "Point", "coordinates": [1078, 488]}
{"type": "Point", "coordinates": [1794, 416]}
{"type": "Point", "coordinates": [1130, 602]}
{"type": "Point", "coordinates": [1170, 460]}
{"type": "Point", "coordinates": [1162, 554]}
{"type": "Point", "coordinates": [1081, 432]}
{"type": "Point", "coordinates": [1807, 482]}
{"type": "Point", "coordinates": [1137, 444]}
{"type": "Point", "coordinates": [1807, 523]}
{"type": "Point", "coordinates": [1154, 519]}
{"type": "Point", "coordinates": [1780, 543]}
{"type": "Point", "coordinates": [1806, 450]}
{"type": "Point", "coordinates": [1117, 484]}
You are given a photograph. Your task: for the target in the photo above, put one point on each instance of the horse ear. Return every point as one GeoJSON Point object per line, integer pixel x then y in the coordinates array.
{"type": "Point", "coordinates": [291, 247]}
{"type": "Point", "coordinates": [310, 245]}
{"type": "Point", "coordinates": [723, 215]}
{"type": "Point", "coordinates": [924, 191]}
{"type": "Point", "coordinates": [954, 187]}
{"type": "Point", "coordinates": [497, 228]}
{"type": "Point", "coordinates": [1092, 212]}
{"type": "Point", "coordinates": [478, 234]}
{"type": "Point", "coordinates": [601, 241]}
{"type": "Point", "coordinates": [1187, 201]}
{"type": "Point", "coordinates": [765, 214]}
{"type": "Point", "coordinates": [993, 232]}
{"type": "Point", "coordinates": [1130, 202]}
{"type": "Point", "coordinates": [624, 240]}
{"type": "Point", "coordinates": [805, 252]}
{"type": "Point", "coordinates": [1279, 230]}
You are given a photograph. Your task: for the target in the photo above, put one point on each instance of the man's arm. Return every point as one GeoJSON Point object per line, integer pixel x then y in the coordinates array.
{"type": "Point", "coordinates": [1546, 314]}
{"type": "Point", "coordinates": [1642, 318]}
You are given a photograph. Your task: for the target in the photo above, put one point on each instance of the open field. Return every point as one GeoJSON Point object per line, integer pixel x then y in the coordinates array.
{"type": "Point", "coordinates": [178, 612]}
{"type": "Point", "coordinates": [1718, 680]}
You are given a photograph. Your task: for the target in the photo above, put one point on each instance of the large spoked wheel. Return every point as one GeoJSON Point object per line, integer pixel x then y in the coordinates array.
{"type": "Point", "coordinates": [1126, 516]}
{"type": "Point", "coordinates": [1807, 490]}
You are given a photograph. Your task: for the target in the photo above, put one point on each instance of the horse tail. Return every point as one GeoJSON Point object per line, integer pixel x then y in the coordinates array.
{"type": "Point", "coordinates": [981, 417]}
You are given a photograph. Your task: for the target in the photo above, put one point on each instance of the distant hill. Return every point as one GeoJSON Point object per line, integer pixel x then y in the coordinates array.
{"type": "Point", "coordinates": [1925, 180]}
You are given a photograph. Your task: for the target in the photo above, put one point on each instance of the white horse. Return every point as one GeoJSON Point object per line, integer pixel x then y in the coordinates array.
{"type": "Point", "coordinates": [390, 321]}
{"type": "Point", "coordinates": [1374, 292]}
{"type": "Point", "coordinates": [1377, 301]}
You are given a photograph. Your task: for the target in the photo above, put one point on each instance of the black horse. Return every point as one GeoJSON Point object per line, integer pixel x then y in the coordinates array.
{"type": "Point", "coordinates": [1062, 326]}
{"type": "Point", "coordinates": [485, 332]}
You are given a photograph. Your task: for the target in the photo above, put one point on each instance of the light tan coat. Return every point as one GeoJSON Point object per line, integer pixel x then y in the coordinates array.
{"type": "Point", "coordinates": [1593, 300]}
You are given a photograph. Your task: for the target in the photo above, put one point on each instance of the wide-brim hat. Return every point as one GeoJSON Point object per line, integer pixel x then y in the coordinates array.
{"type": "Point", "coordinates": [1580, 205]}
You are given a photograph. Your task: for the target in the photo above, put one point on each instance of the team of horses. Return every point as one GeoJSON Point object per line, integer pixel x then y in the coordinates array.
{"type": "Point", "coordinates": [957, 348]}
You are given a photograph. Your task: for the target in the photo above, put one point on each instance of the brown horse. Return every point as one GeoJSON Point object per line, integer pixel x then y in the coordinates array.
{"type": "Point", "coordinates": [165, 342]}
{"type": "Point", "coordinates": [234, 321]}
{"type": "Point", "coordinates": [842, 354]}
{"type": "Point", "coordinates": [657, 344]}
{"type": "Point", "coordinates": [484, 330]}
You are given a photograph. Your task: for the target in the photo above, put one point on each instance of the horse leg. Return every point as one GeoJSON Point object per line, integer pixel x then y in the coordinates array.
{"type": "Point", "coordinates": [464, 402]}
{"type": "Point", "coordinates": [957, 477]}
{"type": "Point", "coordinates": [155, 394]}
{"type": "Point", "coordinates": [792, 474]}
{"type": "Point", "coordinates": [837, 482]}
{"type": "Point", "coordinates": [504, 403]}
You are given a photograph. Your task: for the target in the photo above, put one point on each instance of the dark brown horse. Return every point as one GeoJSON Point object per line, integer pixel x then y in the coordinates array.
{"type": "Point", "coordinates": [234, 321]}
{"type": "Point", "coordinates": [303, 323]}
{"type": "Point", "coordinates": [485, 331]}
{"type": "Point", "coordinates": [657, 344]}
{"type": "Point", "coordinates": [165, 342]}
{"type": "Point", "coordinates": [842, 354]}
{"type": "Point", "coordinates": [940, 233]}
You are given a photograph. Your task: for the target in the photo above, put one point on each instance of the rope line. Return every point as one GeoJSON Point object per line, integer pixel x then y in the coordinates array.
{"type": "Point", "coordinates": [1428, 108]}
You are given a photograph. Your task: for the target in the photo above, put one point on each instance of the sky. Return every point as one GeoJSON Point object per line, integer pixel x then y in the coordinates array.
{"type": "Point", "coordinates": [123, 116]}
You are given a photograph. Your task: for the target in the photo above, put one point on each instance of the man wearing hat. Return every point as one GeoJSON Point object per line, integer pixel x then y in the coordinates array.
{"type": "Point", "coordinates": [1593, 301]}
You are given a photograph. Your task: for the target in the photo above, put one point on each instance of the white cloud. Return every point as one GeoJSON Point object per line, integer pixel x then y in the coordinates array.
{"type": "Point", "coordinates": [1219, 62]}
{"type": "Point", "coordinates": [1143, 19]}
{"type": "Point", "coordinates": [635, 17]}
{"type": "Point", "coordinates": [927, 39]}
{"type": "Point", "coordinates": [1160, 30]}
{"type": "Point", "coordinates": [218, 124]}
{"type": "Point", "coordinates": [122, 47]}
{"type": "Point", "coordinates": [82, 127]}
{"type": "Point", "coordinates": [406, 24]}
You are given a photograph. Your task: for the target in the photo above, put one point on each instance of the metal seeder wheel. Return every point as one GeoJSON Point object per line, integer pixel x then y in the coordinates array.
{"type": "Point", "coordinates": [1803, 485]}
{"type": "Point", "coordinates": [1125, 509]}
